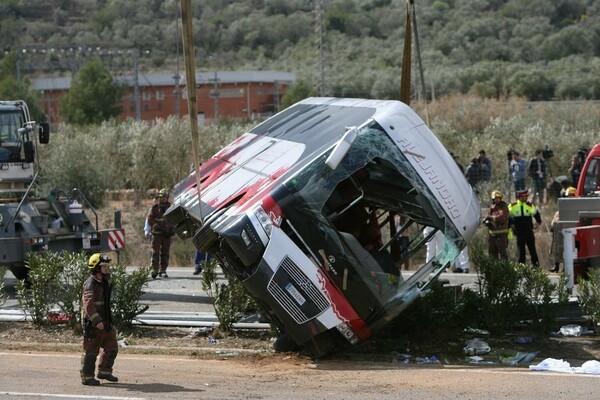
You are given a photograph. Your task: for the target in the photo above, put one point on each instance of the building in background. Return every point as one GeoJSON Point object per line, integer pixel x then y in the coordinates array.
{"type": "Point", "coordinates": [219, 94]}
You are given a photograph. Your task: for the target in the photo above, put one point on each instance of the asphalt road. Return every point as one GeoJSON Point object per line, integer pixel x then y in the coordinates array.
{"type": "Point", "coordinates": [55, 376]}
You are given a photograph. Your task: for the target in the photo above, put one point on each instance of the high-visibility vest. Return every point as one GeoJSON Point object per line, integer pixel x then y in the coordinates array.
{"type": "Point", "coordinates": [521, 209]}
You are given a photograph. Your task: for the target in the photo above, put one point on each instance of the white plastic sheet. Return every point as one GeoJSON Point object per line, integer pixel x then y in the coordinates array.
{"type": "Point", "coordinates": [554, 365]}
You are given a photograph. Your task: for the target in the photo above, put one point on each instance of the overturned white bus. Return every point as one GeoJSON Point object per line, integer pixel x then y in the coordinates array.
{"type": "Point", "coordinates": [288, 209]}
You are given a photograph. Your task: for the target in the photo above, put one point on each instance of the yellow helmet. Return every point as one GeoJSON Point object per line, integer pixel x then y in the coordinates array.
{"type": "Point", "coordinates": [163, 193]}
{"type": "Point", "coordinates": [571, 191]}
{"type": "Point", "coordinates": [497, 194]}
{"type": "Point", "coordinates": [97, 259]}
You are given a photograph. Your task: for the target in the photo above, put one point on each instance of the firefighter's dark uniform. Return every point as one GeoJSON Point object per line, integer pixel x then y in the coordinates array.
{"type": "Point", "coordinates": [161, 232]}
{"type": "Point", "coordinates": [96, 309]}
{"type": "Point", "coordinates": [522, 214]}
{"type": "Point", "coordinates": [498, 230]}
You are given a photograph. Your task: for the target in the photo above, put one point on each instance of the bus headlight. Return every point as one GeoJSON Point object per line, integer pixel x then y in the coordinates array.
{"type": "Point", "coordinates": [264, 220]}
{"type": "Point", "coordinates": [347, 332]}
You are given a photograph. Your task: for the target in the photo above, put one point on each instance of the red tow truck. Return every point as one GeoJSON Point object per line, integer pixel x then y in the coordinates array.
{"type": "Point", "coordinates": [580, 221]}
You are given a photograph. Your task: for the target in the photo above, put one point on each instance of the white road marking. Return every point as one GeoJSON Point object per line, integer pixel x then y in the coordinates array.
{"type": "Point", "coordinates": [70, 396]}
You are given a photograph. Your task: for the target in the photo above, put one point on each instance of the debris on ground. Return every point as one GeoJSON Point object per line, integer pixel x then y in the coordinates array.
{"type": "Point", "coordinates": [475, 331]}
{"type": "Point", "coordinates": [480, 360]}
{"type": "Point", "coordinates": [199, 332]}
{"type": "Point", "coordinates": [524, 339]}
{"type": "Point", "coordinates": [571, 330]}
{"type": "Point", "coordinates": [476, 347]}
{"type": "Point", "coordinates": [519, 359]}
{"type": "Point", "coordinates": [400, 358]}
{"type": "Point", "coordinates": [554, 365]}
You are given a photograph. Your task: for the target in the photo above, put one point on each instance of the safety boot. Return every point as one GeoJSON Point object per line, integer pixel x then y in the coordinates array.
{"type": "Point", "coordinates": [108, 377]}
{"type": "Point", "coordinates": [90, 382]}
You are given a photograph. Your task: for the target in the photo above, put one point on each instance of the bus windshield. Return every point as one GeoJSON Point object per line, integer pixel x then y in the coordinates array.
{"type": "Point", "coordinates": [367, 218]}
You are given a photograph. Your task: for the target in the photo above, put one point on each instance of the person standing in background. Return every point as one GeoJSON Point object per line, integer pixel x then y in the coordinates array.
{"type": "Point", "coordinates": [161, 232]}
{"type": "Point", "coordinates": [486, 166]}
{"type": "Point", "coordinates": [497, 224]}
{"type": "Point", "coordinates": [575, 169]}
{"type": "Point", "coordinates": [537, 172]}
{"type": "Point", "coordinates": [518, 170]}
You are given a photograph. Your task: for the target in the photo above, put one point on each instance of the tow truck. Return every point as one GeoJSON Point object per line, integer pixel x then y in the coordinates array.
{"type": "Point", "coordinates": [578, 228]}
{"type": "Point", "coordinates": [36, 225]}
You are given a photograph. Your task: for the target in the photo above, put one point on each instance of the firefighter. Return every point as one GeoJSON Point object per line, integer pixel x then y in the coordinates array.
{"type": "Point", "coordinates": [497, 224]}
{"type": "Point", "coordinates": [161, 232]}
{"type": "Point", "coordinates": [98, 330]}
{"type": "Point", "coordinates": [521, 214]}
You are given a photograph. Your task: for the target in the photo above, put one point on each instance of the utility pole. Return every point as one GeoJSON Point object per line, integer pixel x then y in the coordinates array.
{"type": "Point", "coordinates": [215, 93]}
{"type": "Point", "coordinates": [177, 77]}
{"type": "Point", "coordinates": [189, 57]}
{"type": "Point", "coordinates": [319, 29]}
{"type": "Point", "coordinates": [277, 95]}
{"type": "Point", "coordinates": [136, 85]}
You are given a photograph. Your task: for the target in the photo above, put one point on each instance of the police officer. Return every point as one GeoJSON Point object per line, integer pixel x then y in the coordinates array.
{"type": "Point", "coordinates": [497, 223]}
{"type": "Point", "coordinates": [98, 330]}
{"type": "Point", "coordinates": [522, 213]}
{"type": "Point", "coordinates": [161, 232]}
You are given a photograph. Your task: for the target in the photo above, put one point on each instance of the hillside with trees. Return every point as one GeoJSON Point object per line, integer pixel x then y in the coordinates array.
{"type": "Point", "coordinates": [537, 49]}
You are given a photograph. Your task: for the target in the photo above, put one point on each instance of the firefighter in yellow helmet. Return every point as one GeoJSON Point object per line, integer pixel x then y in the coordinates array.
{"type": "Point", "coordinates": [497, 224]}
{"type": "Point", "coordinates": [161, 232]}
{"type": "Point", "coordinates": [99, 334]}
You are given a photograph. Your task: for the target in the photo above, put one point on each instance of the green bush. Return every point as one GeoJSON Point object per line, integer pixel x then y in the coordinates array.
{"type": "Point", "coordinates": [126, 294]}
{"type": "Point", "coordinates": [589, 294]}
{"type": "Point", "coordinates": [56, 280]}
{"type": "Point", "coordinates": [230, 300]}
{"type": "Point", "coordinates": [511, 292]}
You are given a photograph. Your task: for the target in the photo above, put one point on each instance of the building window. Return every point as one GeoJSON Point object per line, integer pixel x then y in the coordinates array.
{"type": "Point", "coordinates": [160, 95]}
{"type": "Point", "coordinates": [260, 91]}
{"type": "Point", "coordinates": [146, 96]}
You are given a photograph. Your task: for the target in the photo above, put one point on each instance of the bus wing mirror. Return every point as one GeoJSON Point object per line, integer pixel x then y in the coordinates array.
{"type": "Point", "coordinates": [44, 132]}
{"type": "Point", "coordinates": [341, 148]}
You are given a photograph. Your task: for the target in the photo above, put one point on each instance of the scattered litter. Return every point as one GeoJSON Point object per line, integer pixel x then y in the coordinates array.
{"type": "Point", "coordinates": [571, 330]}
{"type": "Point", "coordinates": [476, 347]}
{"type": "Point", "coordinates": [524, 339]}
{"type": "Point", "coordinates": [57, 318]}
{"type": "Point", "coordinates": [520, 359]}
{"type": "Point", "coordinates": [122, 343]}
{"type": "Point", "coordinates": [400, 358]}
{"type": "Point", "coordinates": [226, 353]}
{"type": "Point", "coordinates": [427, 360]}
{"type": "Point", "coordinates": [479, 360]}
{"type": "Point", "coordinates": [554, 365]}
{"type": "Point", "coordinates": [198, 332]}
{"type": "Point", "coordinates": [475, 331]}
{"type": "Point", "coordinates": [588, 367]}
{"type": "Point", "coordinates": [212, 340]}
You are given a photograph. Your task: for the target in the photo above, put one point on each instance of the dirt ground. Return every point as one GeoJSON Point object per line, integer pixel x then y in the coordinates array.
{"type": "Point", "coordinates": [243, 366]}
{"type": "Point", "coordinates": [197, 343]}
